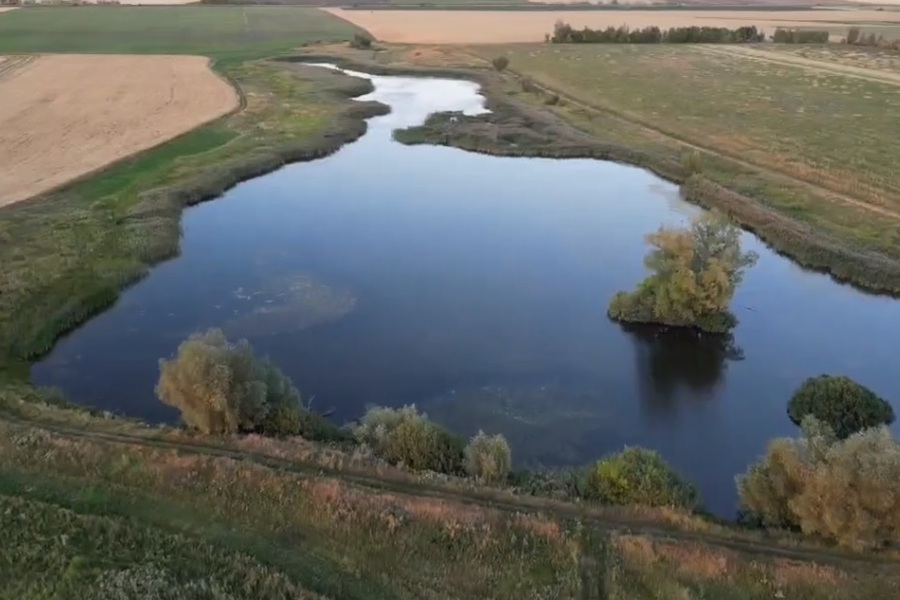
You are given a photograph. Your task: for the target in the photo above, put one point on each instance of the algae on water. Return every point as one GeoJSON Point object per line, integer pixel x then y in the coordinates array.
{"type": "Point", "coordinates": [289, 304]}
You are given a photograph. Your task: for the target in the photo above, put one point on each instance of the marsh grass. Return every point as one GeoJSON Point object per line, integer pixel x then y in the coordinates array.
{"type": "Point", "coordinates": [77, 248]}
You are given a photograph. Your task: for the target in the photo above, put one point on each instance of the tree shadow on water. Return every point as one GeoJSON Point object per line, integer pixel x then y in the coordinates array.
{"type": "Point", "coordinates": [677, 366]}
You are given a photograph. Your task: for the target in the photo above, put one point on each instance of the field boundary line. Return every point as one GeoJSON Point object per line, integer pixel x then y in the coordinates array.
{"type": "Point", "coordinates": [802, 62]}
{"type": "Point", "coordinates": [419, 489]}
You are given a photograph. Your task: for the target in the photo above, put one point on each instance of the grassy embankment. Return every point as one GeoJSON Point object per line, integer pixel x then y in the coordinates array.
{"type": "Point", "coordinates": [67, 255]}
{"type": "Point", "coordinates": [798, 154]}
{"type": "Point", "coordinates": [160, 509]}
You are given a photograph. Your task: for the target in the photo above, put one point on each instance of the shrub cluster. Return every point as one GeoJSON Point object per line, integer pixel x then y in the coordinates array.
{"type": "Point", "coordinates": [221, 387]}
{"type": "Point", "coordinates": [847, 490]}
{"type": "Point", "coordinates": [407, 437]}
{"type": "Point", "coordinates": [488, 458]}
{"type": "Point", "coordinates": [637, 476]}
{"type": "Point", "coordinates": [799, 36]}
{"type": "Point", "coordinates": [563, 33]}
{"type": "Point", "coordinates": [361, 41]}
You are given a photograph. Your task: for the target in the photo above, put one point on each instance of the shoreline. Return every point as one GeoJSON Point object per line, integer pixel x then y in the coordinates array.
{"type": "Point", "coordinates": [866, 271]}
{"type": "Point", "coordinates": [544, 134]}
{"type": "Point", "coordinates": [162, 207]}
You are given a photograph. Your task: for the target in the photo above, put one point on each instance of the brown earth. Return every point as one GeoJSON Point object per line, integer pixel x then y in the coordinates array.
{"type": "Point", "coordinates": [505, 27]}
{"type": "Point", "coordinates": [54, 127]}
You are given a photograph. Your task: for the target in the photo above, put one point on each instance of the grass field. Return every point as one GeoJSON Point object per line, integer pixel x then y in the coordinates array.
{"type": "Point", "coordinates": [221, 32]}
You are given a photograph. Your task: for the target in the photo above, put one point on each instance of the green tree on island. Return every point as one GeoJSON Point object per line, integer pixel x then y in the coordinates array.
{"type": "Point", "coordinates": [694, 273]}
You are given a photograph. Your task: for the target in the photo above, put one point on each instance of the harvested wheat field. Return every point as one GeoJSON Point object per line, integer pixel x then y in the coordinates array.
{"type": "Point", "coordinates": [63, 116]}
{"type": "Point", "coordinates": [486, 27]}
{"type": "Point", "coordinates": [7, 8]}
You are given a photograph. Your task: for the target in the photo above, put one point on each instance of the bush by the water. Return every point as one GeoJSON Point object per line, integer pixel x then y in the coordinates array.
{"type": "Point", "coordinates": [841, 403]}
{"type": "Point", "coordinates": [694, 273]}
{"type": "Point", "coordinates": [361, 41]}
{"type": "Point", "coordinates": [799, 36]}
{"type": "Point", "coordinates": [846, 490]}
{"type": "Point", "coordinates": [220, 387]}
{"type": "Point", "coordinates": [638, 476]}
{"type": "Point", "coordinates": [488, 458]}
{"type": "Point", "coordinates": [406, 436]}
{"type": "Point", "coordinates": [500, 63]}
{"type": "Point", "coordinates": [563, 33]}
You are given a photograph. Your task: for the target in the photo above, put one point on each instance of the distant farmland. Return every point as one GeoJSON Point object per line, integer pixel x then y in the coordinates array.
{"type": "Point", "coordinates": [480, 27]}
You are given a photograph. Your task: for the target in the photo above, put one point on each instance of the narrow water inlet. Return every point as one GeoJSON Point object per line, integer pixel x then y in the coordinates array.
{"type": "Point", "coordinates": [476, 287]}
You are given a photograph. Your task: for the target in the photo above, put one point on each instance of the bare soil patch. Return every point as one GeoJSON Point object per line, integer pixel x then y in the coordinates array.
{"type": "Point", "coordinates": [55, 128]}
{"type": "Point", "coordinates": [7, 8]}
{"type": "Point", "coordinates": [486, 27]}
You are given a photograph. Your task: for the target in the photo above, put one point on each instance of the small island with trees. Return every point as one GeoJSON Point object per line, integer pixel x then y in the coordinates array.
{"type": "Point", "coordinates": [694, 273]}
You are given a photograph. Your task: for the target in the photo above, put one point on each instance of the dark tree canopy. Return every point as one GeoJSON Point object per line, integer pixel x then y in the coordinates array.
{"type": "Point", "coordinates": [841, 403]}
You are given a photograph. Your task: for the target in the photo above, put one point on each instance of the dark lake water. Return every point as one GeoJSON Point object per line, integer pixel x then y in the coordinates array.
{"type": "Point", "coordinates": [476, 287]}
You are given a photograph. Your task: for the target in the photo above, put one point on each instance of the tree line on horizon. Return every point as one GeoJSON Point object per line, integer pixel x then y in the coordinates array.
{"type": "Point", "coordinates": [563, 33]}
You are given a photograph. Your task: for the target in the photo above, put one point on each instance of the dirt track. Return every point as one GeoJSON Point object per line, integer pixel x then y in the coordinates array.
{"type": "Point", "coordinates": [63, 116]}
{"type": "Point", "coordinates": [503, 27]}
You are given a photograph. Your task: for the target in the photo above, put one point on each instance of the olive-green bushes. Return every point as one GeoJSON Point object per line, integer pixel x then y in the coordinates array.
{"type": "Point", "coordinates": [406, 436]}
{"type": "Point", "coordinates": [846, 490]}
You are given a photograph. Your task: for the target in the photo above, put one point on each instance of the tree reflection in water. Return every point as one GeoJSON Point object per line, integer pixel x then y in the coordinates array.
{"type": "Point", "coordinates": [676, 365]}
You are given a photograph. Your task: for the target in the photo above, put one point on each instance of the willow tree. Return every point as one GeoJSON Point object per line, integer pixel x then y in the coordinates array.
{"type": "Point", "coordinates": [694, 273]}
{"type": "Point", "coordinates": [221, 387]}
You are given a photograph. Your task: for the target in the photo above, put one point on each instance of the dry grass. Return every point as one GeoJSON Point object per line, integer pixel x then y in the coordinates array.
{"type": "Point", "coordinates": [503, 27]}
{"type": "Point", "coordinates": [868, 70]}
{"type": "Point", "coordinates": [659, 569]}
{"type": "Point", "coordinates": [416, 546]}
{"type": "Point", "coordinates": [877, 60]}
{"type": "Point", "coordinates": [54, 128]}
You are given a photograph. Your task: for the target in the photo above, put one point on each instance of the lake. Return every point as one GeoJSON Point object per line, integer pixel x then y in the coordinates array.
{"type": "Point", "coordinates": [476, 287]}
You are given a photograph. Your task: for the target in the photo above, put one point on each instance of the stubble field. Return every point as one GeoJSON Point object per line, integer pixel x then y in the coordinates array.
{"type": "Point", "coordinates": [489, 27]}
{"type": "Point", "coordinates": [54, 128]}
